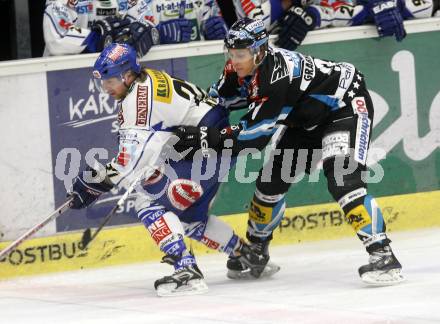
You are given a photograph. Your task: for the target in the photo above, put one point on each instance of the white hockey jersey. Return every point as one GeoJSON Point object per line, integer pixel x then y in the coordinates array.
{"type": "Point", "coordinates": [66, 23]}
{"type": "Point", "coordinates": [254, 9]}
{"type": "Point", "coordinates": [345, 12]}
{"type": "Point", "coordinates": [197, 11]}
{"type": "Point", "coordinates": [146, 116]}
{"type": "Point", "coordinates": [336, 13]}
{"type": "Point", "coordinates": [271, 10]}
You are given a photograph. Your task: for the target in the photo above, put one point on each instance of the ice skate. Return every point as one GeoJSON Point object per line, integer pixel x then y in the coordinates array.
{"type": "Point", "coordinates": [251, 263]}
{"type": "Point", "coordinates": [383, 268]}
{"type": "Point", "coordinates": [186, 280]}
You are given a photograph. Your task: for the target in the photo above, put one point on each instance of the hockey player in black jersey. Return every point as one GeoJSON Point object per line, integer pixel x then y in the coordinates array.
{"type": "Point", "coordinates": [302, 103]}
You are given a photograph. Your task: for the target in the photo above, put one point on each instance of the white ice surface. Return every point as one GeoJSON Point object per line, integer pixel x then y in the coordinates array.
{"type": "Point", "coordinates": [318, 283]}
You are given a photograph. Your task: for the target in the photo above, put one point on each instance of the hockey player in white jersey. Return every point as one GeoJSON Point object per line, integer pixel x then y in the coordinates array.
{"type": "Point", "coordinates": [181, 21]}
{"type": "Point", "coordinates": [85, 26]}
{"type": "Point", "coordinates": [77, 26]}
{"type": "Point", "coordinates": [171, 201]}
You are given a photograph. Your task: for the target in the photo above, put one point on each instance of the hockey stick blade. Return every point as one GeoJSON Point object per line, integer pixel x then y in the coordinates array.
{"type": "Point", "coordinates": [86, 238]}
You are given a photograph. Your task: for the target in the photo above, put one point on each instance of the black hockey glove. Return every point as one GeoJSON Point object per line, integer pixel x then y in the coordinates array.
{"type": "Point", "coordinates": [198, 138]}
{"type": "Point", "coordinates": [107, 29]}
{"type": "Point", "coordinates": [175, 31]}
{"type": "Point", "coordinates": [294, 26]}
{"type": "Point", "coordinates": [84, 193]}
{"type": "Point", "coordinates": [141, 36]}
{"type": "Point", "coordinates": [387, 15]}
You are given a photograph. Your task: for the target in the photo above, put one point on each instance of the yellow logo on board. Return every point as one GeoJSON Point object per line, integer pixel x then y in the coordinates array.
{"type": "Point", "coordinates": [162, 86]}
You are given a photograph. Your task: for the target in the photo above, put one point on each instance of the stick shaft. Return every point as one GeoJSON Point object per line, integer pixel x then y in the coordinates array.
{"type": "Point", "coordinates": [109, 216]}
{"type": "Point", "coordinates": [182, 8]}
{"type": "Point", "coordinates": [101, 226]}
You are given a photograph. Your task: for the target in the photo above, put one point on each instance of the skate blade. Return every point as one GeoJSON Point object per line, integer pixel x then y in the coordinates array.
{"type": "Point", "coordinates": [193, 287]}
{"type": "Point", "coordinates": [383, 278]}
{"type": "Point", "coordinates": [269, 270]}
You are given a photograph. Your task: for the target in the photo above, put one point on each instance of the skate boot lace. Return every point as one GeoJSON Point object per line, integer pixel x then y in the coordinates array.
{"type": "Point", "coordinates": [260, 248]}
{"type": "Point", "coordinates": [380, 254]}
{"type": "Point", "coordinates": [168, 259]}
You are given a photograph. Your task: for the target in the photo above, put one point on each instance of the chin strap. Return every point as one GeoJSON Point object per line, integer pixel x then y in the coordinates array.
{"type": "Point", "coordinates": [125, 81]}
{"type": "Point", "coordinates": [257, 64]}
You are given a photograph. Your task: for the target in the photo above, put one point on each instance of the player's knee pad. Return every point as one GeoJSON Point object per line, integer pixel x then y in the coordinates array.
{"type": "Point", "coordinates": [367, 220]}
{"type": "Point", "coordinates": [265, 214]}
{"type": "Point", "coordinates": [148, 211]}
{"type": "Point", "coordinates": [343, 176]}
{"type": "Point", "coordinates": [214, 233]}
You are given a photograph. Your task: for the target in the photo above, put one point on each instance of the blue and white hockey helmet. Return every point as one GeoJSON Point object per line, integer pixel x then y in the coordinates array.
{"type": "Point", "coordinates": [247, 33]}
{"type": "Point", "coordinates": [115, 60]}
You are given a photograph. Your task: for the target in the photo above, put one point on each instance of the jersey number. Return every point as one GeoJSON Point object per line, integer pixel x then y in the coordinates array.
{"type": "Point", "coordinates": [185, 90]}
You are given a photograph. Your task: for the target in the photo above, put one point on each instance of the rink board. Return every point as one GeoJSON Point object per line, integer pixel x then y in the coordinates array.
{"type": "Point", "coordinates": [67, 118]}
{"type": "Point", "coordinates": [133, 244]}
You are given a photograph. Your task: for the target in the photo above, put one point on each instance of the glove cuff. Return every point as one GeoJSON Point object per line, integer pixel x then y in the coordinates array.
{"type": "Point", "coordinates": [94, 189]}
{"type": "Point", "coordinates": [379, 6]}
{"type": "Point", "coordinates": [308, 18]}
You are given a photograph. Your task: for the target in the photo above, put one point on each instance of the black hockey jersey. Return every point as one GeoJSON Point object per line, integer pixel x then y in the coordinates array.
{"type": "Point", "coordinates": [287, 88]}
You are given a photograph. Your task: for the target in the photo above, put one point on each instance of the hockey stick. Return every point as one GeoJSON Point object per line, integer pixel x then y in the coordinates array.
{"type": "Point", "coordinates": [87, 236]}
{"type": "Point", "coordinates": [182, 9]}
{"type": "Point", "coordinates": [60, 210]}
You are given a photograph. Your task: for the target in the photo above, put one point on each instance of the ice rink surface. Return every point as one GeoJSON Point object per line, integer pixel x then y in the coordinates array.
{"type": "Point", "coordinates": [318, 283]}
